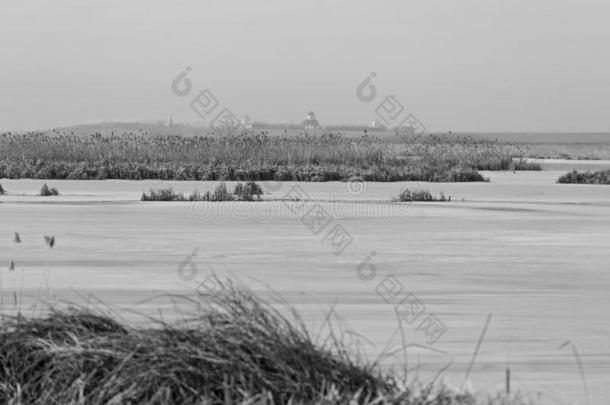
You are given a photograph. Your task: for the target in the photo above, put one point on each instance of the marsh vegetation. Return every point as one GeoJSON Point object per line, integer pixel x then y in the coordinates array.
{"type": "Point", "coordinates": [46, 191]}
{"type": "Point", "coordinates": [588, 177]}
{"type": "Point", "coordinates": [250, 156]}
{"type": "Point", "coordinates": [242, 192]}
{"type": "Point", "coordinates": [421, 195]}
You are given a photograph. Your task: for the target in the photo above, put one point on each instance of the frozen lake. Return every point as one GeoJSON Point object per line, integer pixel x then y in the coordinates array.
{"type": "Point", "coordinates": [530, 255]}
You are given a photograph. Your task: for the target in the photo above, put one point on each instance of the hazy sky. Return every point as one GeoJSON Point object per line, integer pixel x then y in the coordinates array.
{"type": "Point", "coordinates": [463, 65]}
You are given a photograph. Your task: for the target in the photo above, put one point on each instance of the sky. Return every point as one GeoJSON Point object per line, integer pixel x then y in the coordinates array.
{"type": "Point", "coordinates": [468, 65]}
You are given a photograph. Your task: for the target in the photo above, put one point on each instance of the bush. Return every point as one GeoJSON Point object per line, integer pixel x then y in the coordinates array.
{"type": "Point", "coordinates": [164, 194]}
{"type": "Point", "coordinates": [46, 191]}
{"type": "Point", "coordinates": [463, 174]}
{"type": "Point", "coordinates": [421, 195]}
{"type": "Point", "coordinates": [589, 177]}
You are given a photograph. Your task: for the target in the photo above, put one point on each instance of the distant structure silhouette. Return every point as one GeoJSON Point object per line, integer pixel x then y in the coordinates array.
{"type": "Point", "coordinates": [246, 123]}
{"type": "Point", "coordinates": [311, 122]}
{"type": "Point", "coordinates": [376, 125]}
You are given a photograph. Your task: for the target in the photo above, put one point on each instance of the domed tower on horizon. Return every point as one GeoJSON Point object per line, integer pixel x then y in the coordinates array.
{"type": "Point", "coordinates": [311, 122]}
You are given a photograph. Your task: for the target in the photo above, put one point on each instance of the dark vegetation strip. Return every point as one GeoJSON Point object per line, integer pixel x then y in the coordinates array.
{"type": "Point", "coordinates": [249, 156]}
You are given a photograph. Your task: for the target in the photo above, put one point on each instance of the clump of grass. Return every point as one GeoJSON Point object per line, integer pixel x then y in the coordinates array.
{"type": "Point", "coordinates": [236, 347]}
{"type": "Point", "coordinates": [241, 192]}
{"type": "Point", "coordinates": [221, 193]}
{"type": "Point", "coordinates": [421, 195]}
{"type": "Point", "coordinates": [463, 174]}
{"type": "Point", "coordinates": [195, 196]}
{"type": "Point", "coordinates": [589, 177]}
{"type": "Point", "coordinates": [246, 192]}
{"type": "Point", "coordinates": [233, 348]}
{"type": "Point", "coordinates": [523, 164]}
{"type": "Point", "coordinates": [46, 191]}
{"type": "Point", "coordinates": [163, 194]}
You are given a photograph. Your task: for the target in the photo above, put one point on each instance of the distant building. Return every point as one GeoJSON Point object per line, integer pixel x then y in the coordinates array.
{"type": "Point", "coordinates": [245, 122]}
{"type": "Point", "coordinates": [311, 122]}
{"type": "Point", "coordinates": [377, 125]}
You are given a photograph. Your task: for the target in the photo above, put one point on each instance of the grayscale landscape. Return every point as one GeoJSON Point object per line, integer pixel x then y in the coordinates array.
{"type": "Point", "coordinates": [304, 203]}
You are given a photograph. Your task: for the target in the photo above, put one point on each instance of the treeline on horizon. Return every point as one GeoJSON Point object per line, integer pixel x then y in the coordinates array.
{"type": "Point", "coordinates": [251, 155]}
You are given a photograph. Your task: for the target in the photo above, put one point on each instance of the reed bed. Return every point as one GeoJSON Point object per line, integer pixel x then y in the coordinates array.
{"type": "Point", "coordinates": [248, 156]}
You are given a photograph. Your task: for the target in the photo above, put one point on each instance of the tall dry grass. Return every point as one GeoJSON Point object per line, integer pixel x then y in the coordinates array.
{"type": "Point", "coordinates": [231, 347]}
{"type": "Point", "coordinates": [234, 348]}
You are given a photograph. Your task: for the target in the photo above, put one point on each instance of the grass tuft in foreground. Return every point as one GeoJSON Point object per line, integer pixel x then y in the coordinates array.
{"type": "Point", "coordinates": [575, 177]}
{"type": "Point", "coordinates": [233, 348]}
